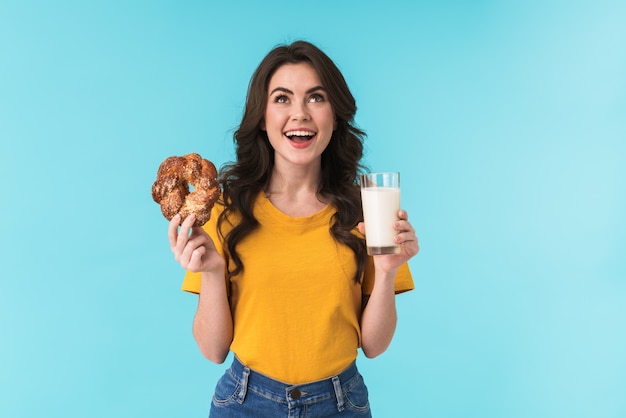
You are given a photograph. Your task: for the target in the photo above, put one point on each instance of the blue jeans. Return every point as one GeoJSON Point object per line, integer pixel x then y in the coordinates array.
{"type": "Point", "coordinates": [242, 392]}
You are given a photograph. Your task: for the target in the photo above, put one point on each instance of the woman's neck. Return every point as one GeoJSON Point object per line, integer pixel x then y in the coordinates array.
{"type": "Point", "coordinates": [295, 192]}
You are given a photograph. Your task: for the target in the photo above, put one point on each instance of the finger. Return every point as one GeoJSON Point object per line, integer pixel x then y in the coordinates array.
{"type": "Point", "coordinates": [403, 226]}
{"type": "Point", "coordinates": [409, 243]}
{"type": "Point", "coordinates": [196, 240]}
{"type": "Point", "coordinates": [172, 231]}
{"type": "Point", "coordinates": [411, 249]}
{"type": "Point", "coordinates": [193, 243]}
{"type": "Point", "coordinates": [405, 237]}
{"type": "Point", "coordinates": [361, 227]}
{"type": "Point", "coordinates": [185, 229]}
{"type": "Point", "coordinates": [183, 255]}
{"type": "Point", "coordinates": [195, 261]}
{"type": "Point", "coordinates": [403, 215]}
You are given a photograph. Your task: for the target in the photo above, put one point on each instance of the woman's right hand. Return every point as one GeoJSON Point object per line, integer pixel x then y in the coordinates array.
{"type": "Point", "coordinates": [193, 248]}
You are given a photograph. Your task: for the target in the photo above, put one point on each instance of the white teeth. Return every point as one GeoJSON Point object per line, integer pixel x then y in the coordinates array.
{"type": "Point", "coordinates": [299, 133]}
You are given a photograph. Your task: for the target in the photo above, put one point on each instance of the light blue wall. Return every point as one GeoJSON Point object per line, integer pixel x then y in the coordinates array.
{"type": "Point", "coordinates": [506, 119]}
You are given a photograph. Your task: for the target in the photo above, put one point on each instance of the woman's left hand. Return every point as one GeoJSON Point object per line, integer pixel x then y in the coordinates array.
{"type": "Point", "coordinates": [406, 238]}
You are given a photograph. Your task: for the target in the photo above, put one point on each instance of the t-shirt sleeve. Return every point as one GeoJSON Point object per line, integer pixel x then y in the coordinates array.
{"type": "Point", "coordinates": [403, 282]}
{"type": "Point", "coordinates": [192, 281]}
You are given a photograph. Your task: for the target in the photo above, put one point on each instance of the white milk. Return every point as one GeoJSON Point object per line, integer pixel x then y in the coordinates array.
{"type": "Point", "coordinates": [380, 210]}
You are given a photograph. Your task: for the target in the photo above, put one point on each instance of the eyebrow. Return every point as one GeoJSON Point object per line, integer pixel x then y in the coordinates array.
{"type": "Point", "coordinates": [285, 90]}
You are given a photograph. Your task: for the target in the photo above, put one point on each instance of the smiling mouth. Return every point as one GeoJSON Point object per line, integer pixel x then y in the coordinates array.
{"type": "Point", "coordinates": [300, 136]}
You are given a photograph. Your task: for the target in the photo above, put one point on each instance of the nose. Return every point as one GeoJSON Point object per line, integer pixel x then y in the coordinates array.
{"type": "Point", "coordinates": [300, 112]}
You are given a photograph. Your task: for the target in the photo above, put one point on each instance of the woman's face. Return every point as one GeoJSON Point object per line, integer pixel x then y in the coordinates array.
{"type": "Point", "coordinates": [299, 119]}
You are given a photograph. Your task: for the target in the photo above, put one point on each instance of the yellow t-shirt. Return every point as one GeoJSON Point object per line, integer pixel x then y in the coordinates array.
{"type": "Point", "coordinates": [296, 306]}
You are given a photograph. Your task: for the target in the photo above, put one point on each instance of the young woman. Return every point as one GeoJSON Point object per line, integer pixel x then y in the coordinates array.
{"type": "Point", "coordinates": [281, 269]}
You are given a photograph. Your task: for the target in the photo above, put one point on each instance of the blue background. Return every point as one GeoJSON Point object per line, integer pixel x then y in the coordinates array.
{"type": "Point", "coordinates": [506, 119]}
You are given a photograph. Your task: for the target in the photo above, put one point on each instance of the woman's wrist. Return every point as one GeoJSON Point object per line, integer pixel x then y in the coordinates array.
{"type": "Point", "coordinates": [212, 277]}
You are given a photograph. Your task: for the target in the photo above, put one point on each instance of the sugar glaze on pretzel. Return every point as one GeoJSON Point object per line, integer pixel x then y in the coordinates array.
{"type": "Point", "coordinates": [171, 188]}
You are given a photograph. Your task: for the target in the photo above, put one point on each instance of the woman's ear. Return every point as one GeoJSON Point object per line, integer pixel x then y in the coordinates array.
{"type": "Point", "coordinates": [262, 125]}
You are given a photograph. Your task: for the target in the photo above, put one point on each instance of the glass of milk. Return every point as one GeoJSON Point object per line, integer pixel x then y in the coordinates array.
{"type": "Point", "coordinates": [380, 193]}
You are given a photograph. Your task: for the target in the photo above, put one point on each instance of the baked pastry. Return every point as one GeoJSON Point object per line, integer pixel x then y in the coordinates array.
{"type": "Point", "coordinates": [171, 188]}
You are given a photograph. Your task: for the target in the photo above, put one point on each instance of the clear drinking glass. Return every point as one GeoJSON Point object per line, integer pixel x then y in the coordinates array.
{"type": "Point", "coordinates": [380, 193]}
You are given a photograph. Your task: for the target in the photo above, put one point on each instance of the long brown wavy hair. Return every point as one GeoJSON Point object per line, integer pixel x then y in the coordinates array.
{"type": "Point", "coordinates": [245, 178]}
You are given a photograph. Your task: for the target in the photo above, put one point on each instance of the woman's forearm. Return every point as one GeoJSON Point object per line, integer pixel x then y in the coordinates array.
{"type": "Point", "coordinates": [213, 323]}
{"type": "Point", "coordinates": [378, 322]}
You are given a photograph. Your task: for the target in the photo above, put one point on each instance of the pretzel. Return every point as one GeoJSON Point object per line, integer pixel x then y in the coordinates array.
{"type": "Point", "coordinates": [171, 188]}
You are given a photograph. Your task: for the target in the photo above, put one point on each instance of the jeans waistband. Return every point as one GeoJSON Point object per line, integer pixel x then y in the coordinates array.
{"type": "Point", "coordinates": [311, 392]}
